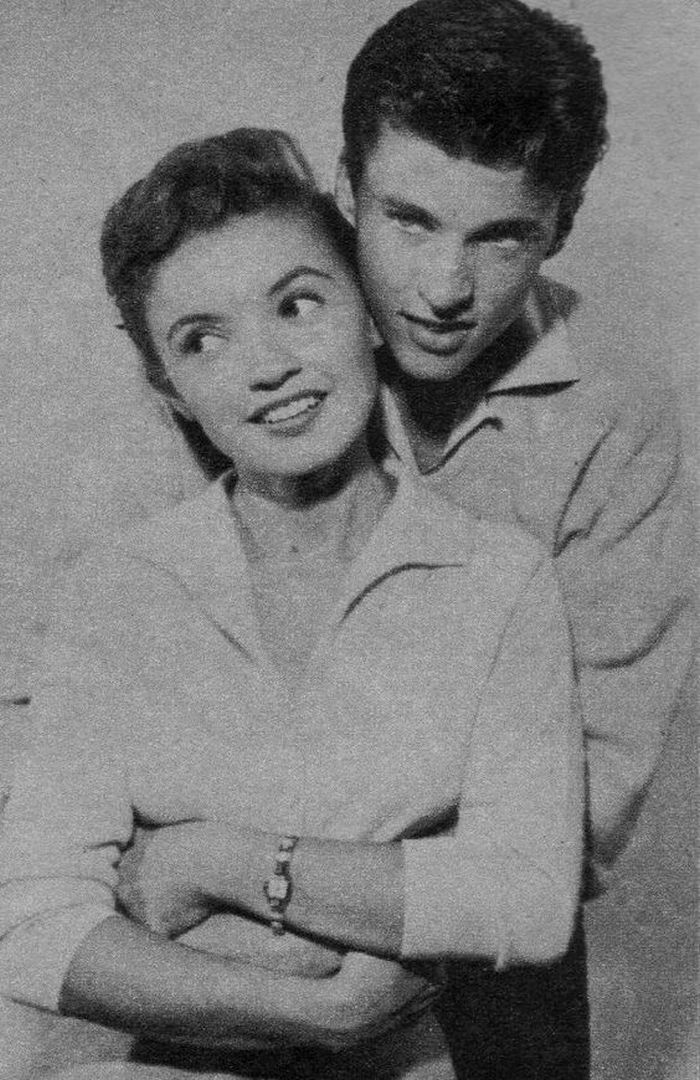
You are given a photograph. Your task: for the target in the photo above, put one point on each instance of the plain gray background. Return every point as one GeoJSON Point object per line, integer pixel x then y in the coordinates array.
{"type": "Point", "coordinates": [93, 92]}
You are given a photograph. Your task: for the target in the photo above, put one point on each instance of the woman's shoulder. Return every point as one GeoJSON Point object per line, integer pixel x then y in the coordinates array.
{"type": "Point", "coordinates": [154, 547]}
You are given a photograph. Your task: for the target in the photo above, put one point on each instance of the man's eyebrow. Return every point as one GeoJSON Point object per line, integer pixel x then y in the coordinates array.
{"type": "Point", "coordinates": [296, 272]}
{"type": "Point", "coordinates": [403, 208]}
{"type": "Point", "coordinates": [519, 227]}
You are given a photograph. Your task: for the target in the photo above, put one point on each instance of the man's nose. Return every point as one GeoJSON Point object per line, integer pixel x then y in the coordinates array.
{"type": "Point", "coordinates": [447, 282]}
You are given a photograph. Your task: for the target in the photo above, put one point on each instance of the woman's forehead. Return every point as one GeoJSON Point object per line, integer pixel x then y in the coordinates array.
{"type": "Point", "coordinates": [249, 254]}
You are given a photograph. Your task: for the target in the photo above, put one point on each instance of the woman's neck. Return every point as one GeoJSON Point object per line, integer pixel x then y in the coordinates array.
{"type": "Point", "coordinates": [329, 513]}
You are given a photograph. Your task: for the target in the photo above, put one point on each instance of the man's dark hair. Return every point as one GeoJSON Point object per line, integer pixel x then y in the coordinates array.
{"type": "Point", "coordinates": [195, 188]}
{"type": "Point", "coordinates": [492, 80]}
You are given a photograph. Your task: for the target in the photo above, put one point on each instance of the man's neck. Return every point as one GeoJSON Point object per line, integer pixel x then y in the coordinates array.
{"type": "Point", "coordinates": [432, 411]}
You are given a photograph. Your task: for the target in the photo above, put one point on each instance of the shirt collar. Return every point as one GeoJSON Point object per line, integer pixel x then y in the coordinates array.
{"type": "Point", "coordinates": [547, 361]}
{"type": "Point", "coordinates": [198, 544]}
{"type": "Point", "coordinates": [417, 529]}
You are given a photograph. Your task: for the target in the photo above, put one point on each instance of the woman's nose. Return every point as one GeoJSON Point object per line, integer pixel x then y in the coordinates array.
{"type": "Point", "coordinates": [270, 363]}
{"type": "Point", "coordinates": [274, 376]}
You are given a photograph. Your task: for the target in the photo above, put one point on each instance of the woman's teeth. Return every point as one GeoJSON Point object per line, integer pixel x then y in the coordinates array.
{"type": "Point", "coordinates": [291, 410]}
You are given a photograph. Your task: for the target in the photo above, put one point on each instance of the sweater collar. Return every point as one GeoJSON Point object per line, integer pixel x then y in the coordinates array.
{"type": "Point", "coordinates": [198, 543]}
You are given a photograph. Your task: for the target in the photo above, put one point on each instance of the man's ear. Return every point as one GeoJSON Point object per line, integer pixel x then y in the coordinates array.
{"type": "Point", "coordinates": [343, 191]}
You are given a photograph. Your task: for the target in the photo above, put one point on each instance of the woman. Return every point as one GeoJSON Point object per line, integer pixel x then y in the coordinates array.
{"type": "Point", "coordinates": [359, 703]}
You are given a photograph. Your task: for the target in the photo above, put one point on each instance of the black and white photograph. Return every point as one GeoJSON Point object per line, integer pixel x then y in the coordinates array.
{"type": "Point", "coordinates": [349, 413]}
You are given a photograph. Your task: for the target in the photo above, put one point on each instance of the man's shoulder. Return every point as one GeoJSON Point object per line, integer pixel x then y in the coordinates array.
{"type": "Point", "coordinates": [439, 527]}
{"type": "Point", "coordinates": [619, 383]}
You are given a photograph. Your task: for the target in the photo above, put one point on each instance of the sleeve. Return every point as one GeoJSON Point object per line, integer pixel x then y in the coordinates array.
{"type": "Point", "coordinates": [624, 563]}
{"type": "Point", "coordinates": [68, 815]}
{"type": "Point", "coordinates": [505, 885]}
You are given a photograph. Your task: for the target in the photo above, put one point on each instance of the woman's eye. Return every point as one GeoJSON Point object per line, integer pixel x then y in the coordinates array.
{"type": "Point", "coordinates": [298, 307]}
{"type": "Point", "coordinates": [200, 343]}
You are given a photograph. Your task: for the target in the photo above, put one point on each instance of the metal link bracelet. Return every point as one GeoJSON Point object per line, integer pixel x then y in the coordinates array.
{"type": "Point", "coordinates": [278, 888]}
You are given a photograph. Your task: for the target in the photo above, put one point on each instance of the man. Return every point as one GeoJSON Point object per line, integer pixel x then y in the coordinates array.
{"type": "Point", "coordinates": [471, 128]}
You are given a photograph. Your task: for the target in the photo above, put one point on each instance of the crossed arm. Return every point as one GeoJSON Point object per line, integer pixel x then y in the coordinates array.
{"type": "Point", "coordinates": [502, 886]}
{"type": "Point", "coordinates": [175, 877]}
{"type": "Point", "coordinates": [63, 947]}
{"type": "Point", "coordinates": [124, 976]}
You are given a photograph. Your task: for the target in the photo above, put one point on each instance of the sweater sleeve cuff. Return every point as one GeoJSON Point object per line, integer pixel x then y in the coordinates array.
{"type": "Point", "coordinates": [451, 905]}
{"type": "Point", "coordinates": [36, 956]}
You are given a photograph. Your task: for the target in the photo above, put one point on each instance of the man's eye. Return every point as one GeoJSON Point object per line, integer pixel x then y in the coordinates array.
{"type": "Point", "coordinates": [408, 223]}
{"type": "Point", "coordinates": [509, 245]}
{"type": "Point", "coordinates": [509, 242]}
{"type": "Point", "coordinates": [298, 307]}
{"type": "Point", "coordinates": [200, 343]}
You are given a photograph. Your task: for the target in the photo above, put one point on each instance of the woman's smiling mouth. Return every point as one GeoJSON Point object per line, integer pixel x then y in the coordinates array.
{"type": "Point", "coordinates": [294, 408]}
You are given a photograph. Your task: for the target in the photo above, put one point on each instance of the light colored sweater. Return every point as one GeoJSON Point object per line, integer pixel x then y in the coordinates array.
{"type": "Point", "coordinates": [441, 698]}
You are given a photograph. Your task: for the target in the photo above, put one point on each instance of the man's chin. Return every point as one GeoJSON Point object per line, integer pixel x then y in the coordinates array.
{"type": "Point", "coordinates": [428, 367]}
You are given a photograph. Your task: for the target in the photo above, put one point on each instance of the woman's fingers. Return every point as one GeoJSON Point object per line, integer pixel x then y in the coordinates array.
{"type": "Point", "coordinates": [373, 996]}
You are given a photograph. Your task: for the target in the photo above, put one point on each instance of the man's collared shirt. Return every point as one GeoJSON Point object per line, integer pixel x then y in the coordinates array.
{"type": "Point", "coordinates": [560, 444]}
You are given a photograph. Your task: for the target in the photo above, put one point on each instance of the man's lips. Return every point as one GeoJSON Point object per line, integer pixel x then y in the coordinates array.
{"type": "Point", "coordinates": [438, 337]}
{"type": "Point", "coordinates": [440, 326]}
{"type": "Point", "coordinates": [288, 408]}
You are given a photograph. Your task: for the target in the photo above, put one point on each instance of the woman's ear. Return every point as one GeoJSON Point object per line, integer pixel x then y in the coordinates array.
{"type": "Point", "coordinates": [343, 191]}
{"type": "Point", "coordinates": [376, 337]}
{"type": "Point", "coordinates": [176, 404]}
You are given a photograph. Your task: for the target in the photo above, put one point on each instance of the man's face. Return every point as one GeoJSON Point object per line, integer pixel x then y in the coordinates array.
{"type": "Point", "coordinates": [447, 250]}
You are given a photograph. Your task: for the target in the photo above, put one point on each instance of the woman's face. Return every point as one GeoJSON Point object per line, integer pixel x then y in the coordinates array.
{"type": "Point", "coordinates": [263, 334]}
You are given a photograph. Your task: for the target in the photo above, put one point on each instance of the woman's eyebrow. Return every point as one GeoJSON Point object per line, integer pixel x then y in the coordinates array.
{"type": "Point", "coordinates": [292, 275]}
{"type": "Point", "coordinates": [196, 317]}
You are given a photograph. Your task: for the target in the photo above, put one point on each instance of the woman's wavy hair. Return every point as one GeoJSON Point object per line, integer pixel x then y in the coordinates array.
{"type": "Point", "coordinates": [197, 187]}
{"type": "Point", "coordinates": [492, 80]}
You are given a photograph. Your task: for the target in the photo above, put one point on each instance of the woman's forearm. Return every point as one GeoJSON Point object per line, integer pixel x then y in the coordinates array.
{"type": "Point", "coordinates": [249, 942]}
{"type": "Point", "coordinates": [126, 977]}
{"type": "Point", "coordinates": [348, 894]}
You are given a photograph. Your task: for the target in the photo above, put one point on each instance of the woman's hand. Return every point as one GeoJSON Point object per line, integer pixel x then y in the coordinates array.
{"type": "Point", "coordinates": [159, 887]}
{"type": "Point", "coordinates": [368, 998]}
{"type": "Point", "coordinates": [364, 1000]}
{"type": "Point", "coordinates": [158, 884]}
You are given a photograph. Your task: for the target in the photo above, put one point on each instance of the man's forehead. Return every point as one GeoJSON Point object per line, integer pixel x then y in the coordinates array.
{"type": "Point", "coordinates": [405, 168]}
